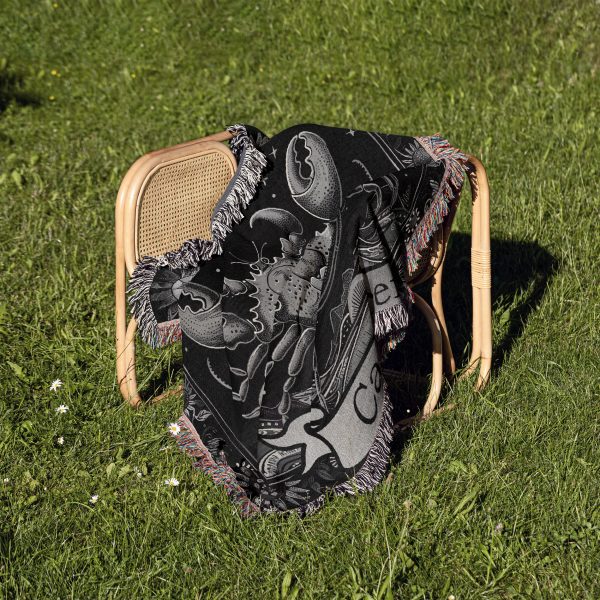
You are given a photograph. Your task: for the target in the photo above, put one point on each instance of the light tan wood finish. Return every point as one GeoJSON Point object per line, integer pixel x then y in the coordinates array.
{"type": "Point", "coordinates": [127, 221]}
{"type": "Point", "coordinates": [143, 183]}
{"type": "Point", "coordinates": [437, 373]}
{"type": "Point", "coordinates": [481, 273]}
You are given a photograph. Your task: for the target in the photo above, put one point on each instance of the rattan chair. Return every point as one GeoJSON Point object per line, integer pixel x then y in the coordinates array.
{"type": "Point", "coordinates": [168, 196]}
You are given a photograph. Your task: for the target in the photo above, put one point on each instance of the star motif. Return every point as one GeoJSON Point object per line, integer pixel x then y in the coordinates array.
{"type": "Point", "coordinates": [350, 132]}
{"type": "Point", "coordinates": [273, 153]}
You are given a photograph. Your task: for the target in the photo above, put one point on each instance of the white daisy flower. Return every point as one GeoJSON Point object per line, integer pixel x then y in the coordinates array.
{"type": "Point", "coordinates": [5, 480]}
{"type": "Point", "coordinates": [94, 499]}
{"type": "Point", "coordinates": [57, 383]}
{"type": "Point", "coordinates": [174, 429]}
{"type": "Point", "coordinates": [60, 440]}
{"type": "Point", "coordinates": [62, 409]}
{"type": "Point", "coordinates": [172, 482]}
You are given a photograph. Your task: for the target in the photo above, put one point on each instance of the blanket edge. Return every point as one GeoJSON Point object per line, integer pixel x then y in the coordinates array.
{"type": "Point", "coordinates": [439, 149]}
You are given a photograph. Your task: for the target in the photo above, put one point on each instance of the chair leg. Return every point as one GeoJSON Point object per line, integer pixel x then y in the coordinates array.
{"type": "Point", "coordinates": [482, 256]}
{"type": "Point", "coordinates": [120, 313]}
{"type": "Point", "coordinates": [437, 374]}
{"type": "Point", "coordinates": [485, 366]}
{"type": "Point", "coordinates": [125, 334]}
{"type": "Point", "coordinates": [121, 366]}
{"type": "Point", "coordinates": [133, 395]}
{"type": "Point", "coordinates": [475, 357]}
{"type": "Point", "coordinates": [476, 318]}
{"type": "Point", "coordinates": [125, 346]}
{"type": "Point", "coordinates": [481, 354]}
{"type": "Point", "coordinates": [438, 307]}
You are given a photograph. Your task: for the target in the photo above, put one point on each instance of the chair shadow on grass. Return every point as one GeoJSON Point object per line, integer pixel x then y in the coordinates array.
{"type": "Point", "coordinates": [521, 271]}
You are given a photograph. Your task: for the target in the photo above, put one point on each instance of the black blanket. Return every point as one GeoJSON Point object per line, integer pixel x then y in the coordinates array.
{"type": "Point", "coordinates": [287, 313]}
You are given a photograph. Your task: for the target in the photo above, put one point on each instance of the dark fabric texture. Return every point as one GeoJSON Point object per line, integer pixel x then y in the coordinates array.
{"type": "Point", "coordinates": [285, 325]}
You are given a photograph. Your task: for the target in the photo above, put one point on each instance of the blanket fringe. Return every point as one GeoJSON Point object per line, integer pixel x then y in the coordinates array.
{"type": "Point", "coordinates": [251, 164]}
{"type": "Point", "coordinates": [169, 332]}
{"type": "Point", "coordinates": [392, 323]}
{"type": "Point", "coordinates": [373, 469]}
{"type": "Point", "coordinates": [449, 190]}
{"type": "Point", "coordinates": [221, 473]}
{"type": "Point", "coordinates": [387, 344]}
{"type": "Point", "coordinates": [390, 320]}
{"type": "Point", "coordinates": [139, 300]}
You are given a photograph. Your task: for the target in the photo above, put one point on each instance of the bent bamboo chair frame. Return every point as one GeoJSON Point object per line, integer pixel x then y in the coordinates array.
{"type": "Point", "coordinates": [127, 235]}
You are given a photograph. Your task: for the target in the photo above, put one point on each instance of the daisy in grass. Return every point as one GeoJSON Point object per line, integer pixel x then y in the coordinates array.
{"type": "Point", "coordinates": [94, 499]}
{"type": "Point", "coordinates": [62, 409]}
{"type": "Point", "coordinates": [174, 429]}
{"type": "Point", "coordinates": [60, 440]}
{"type": "Point", "coordinates": [55, 385]}
{"type": "Point", "coordinates": [172, 482]}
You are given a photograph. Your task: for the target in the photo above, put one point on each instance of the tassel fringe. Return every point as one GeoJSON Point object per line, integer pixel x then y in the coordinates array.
{"type": "Point", "coordinates": [392, 323]}
{"type": "Point", "coordinates": [373, 469]}
{"type": "Point", "coordinates": [221, 473]}
{"type": "Point", "coordinates": [386, 345]}
{"type": "Point", "coordinates": [138, 292]}
{"type": "Point", "coordinates": [251, 164]}
{"type": "Point", "coordinates": [449, 191]}
{"type": "Point", "coordinates": [169, 332]}
{"type": "Point", "coordinates": [390, 320]}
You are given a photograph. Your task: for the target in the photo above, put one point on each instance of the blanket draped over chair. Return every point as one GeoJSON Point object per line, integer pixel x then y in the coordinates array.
{"type": "Point", "coordinates": [287, 313]}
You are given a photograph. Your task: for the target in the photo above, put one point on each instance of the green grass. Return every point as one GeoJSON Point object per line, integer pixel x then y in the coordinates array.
{"type": "Point", "coordinates": [86, 87]}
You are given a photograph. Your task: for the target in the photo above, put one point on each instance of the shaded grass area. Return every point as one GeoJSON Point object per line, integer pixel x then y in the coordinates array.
{"type": "Point", "coordinates": [496, 499]}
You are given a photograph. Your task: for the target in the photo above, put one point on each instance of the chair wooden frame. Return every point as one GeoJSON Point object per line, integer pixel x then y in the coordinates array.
{"type": "Point", "coordinates": [481, 284]}
{"type": "Point", "coordinates": [126, 238]}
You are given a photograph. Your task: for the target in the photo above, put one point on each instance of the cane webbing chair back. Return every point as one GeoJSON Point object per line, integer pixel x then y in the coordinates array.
{"type": "Point", "coordinates": [168, 197]}
{"type": "Point", "coordinates": [176, 200]}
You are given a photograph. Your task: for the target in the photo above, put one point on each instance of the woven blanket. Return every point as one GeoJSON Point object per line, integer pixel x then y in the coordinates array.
{"type": "Point", "coordinates": [287, 313]}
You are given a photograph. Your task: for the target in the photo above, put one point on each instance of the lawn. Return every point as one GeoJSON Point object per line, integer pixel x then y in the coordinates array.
{"type": "Point", "coordinates": [497, 498]}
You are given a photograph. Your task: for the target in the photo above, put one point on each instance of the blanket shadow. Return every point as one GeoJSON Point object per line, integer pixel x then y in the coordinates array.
{"type": "Point", "coordinates": [521, 271]}
{"type": "Point", "coordinates": [166, 382]}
